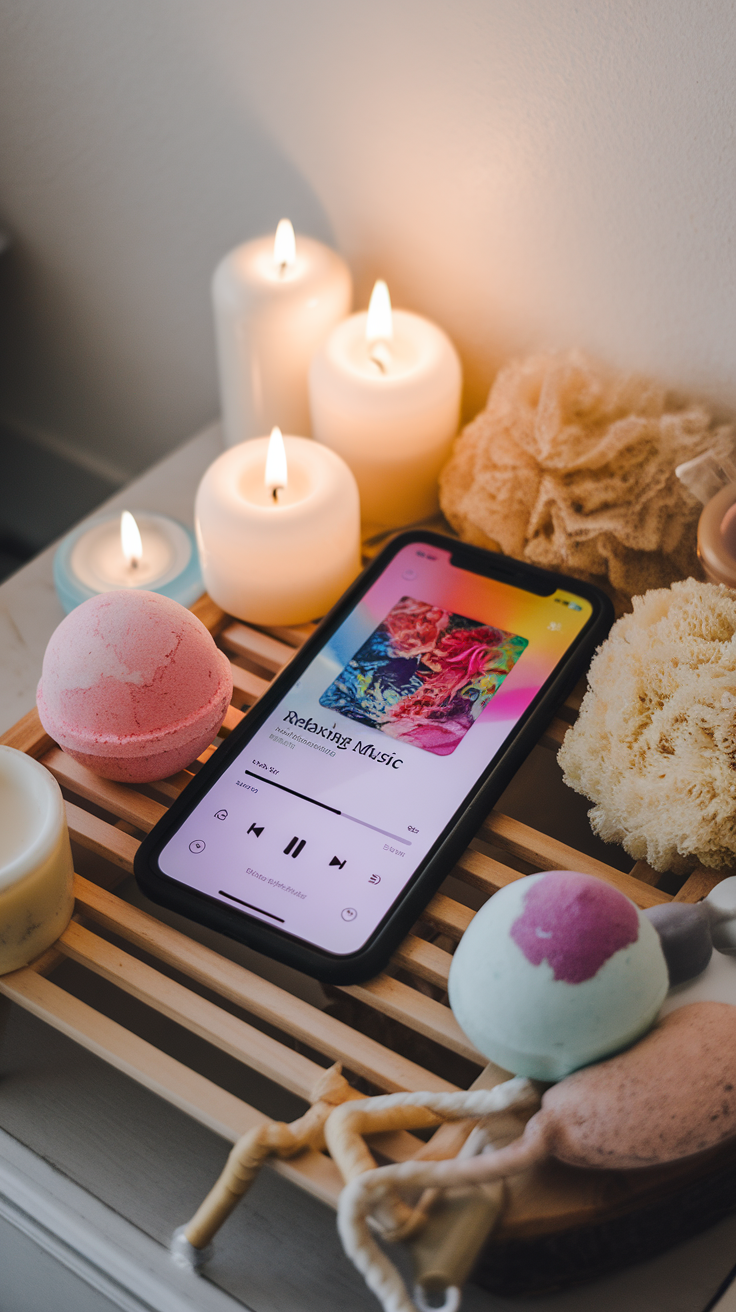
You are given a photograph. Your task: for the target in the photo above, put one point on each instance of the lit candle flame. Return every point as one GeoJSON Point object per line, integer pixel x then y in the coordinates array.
{"type": "Point", "coordinates": [379, 326]}
{"type": "Point", "coordinates": [130, 540]}
{"type": "Point", "coordinates": [276, 477]}
{"type": "Point", "coordinates": [284, 246]}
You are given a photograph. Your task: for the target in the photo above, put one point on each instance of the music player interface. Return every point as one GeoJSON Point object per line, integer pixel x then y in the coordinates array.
{"type": "Point", "coordinates": [327, 812]}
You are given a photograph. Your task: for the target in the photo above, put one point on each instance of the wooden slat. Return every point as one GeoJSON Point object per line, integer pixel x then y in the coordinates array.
{"type": "Point", "coordinates": [249, 687]}
{"type": "Point", "coordinates": [700, 883]}
{"type": "Point", "coordinates": [259, 647]}
{"type": "Point", "coordinates": [47, 962]}
{"type": "Point", "coordinates": [554, 733]}
{"type": "Point", "coordinates": [448, 916]}
{"type": "Point", "coordinates": [221, 1111]}
{"type": "Point", "coordinates": [549, 854]}
{"type": "Point", "coordinates": [102, 838]}
{"type": "Point", "coordinates": [192, 1093]}
{"type": "Point", "coordinates": [232, 718]}
{"type": "Point", "coordinates": [28, 735]}
{"type": "Point", "coordinates": [293, 636]}
{"type": "Point", "coordinates": [384, 1068]}
{"type": "Point", "coordinates": [211, 615]}
{"type": "Point", "coordinates": [485, 872]}
{"type": "Point", "coordinates": [167, 790]}
{"type": "Point", "coordinates": [419, 1012]}
{"type": "Point", "coordinates": [198, 1015]}
{"type": "Point", "coordinates": [121, 799]}
{"type": "Point", "coordinates": [645, 873]}
{"type": "Point", "coordinates": [424, 960]}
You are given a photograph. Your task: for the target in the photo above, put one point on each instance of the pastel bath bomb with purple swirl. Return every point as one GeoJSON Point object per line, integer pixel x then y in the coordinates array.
{"type": "Point", "coordinates": [556, 971]}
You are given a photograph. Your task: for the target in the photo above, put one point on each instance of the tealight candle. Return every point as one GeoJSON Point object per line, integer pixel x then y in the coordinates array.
{"type": "Point", "coordinates": [385, 393]}
{"type": "Point", "coordinates": [275, 301]}
{"type": "Point", "coordinates": [36, 873]}
{"type": "Point", "coordinates": [278, 527]}
{"type": "Point", "coordinates": [125, 551]}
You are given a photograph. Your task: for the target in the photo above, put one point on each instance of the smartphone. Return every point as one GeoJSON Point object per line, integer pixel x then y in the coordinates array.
{"type": "Point", "coordinates": [329, 817]}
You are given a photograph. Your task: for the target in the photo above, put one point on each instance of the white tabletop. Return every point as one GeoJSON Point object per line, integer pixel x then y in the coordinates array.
{"type": "Point", "coordinates": [129, 1155]}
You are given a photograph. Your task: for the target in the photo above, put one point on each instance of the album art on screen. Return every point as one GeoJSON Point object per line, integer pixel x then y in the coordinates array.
{"type": "Point", "coordinates": [424, 675]}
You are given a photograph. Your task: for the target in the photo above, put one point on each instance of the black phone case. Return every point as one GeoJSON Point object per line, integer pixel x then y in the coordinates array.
{"type": "Point", "coordinates": [450, 845]}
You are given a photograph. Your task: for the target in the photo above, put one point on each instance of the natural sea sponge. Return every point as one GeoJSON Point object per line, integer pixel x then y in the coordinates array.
{"type": "Point", "coordinates": [654, 745]}
{"type": "Point", "coordinates": [572, 466]}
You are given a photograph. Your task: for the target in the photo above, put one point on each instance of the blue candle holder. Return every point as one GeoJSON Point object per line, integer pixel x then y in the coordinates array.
{"type": "Point", "coordinates": [90, 560]}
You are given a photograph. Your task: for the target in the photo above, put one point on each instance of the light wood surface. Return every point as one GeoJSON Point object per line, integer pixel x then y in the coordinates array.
{"type": "Point", "coordinates": [28, 735]}
{"type": "Point", "coordinates": [388, 1070]}
{"type": "Point", "coordinates": [414, 1038]}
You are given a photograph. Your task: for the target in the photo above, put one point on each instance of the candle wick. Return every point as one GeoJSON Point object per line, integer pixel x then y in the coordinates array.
{"type": "Point", "coordinates": [134, 563]}
{"type": "Point", "coordinates": [275, 493]}
{"type": "Point", "coordinates": [283, 267]}
{"type": "Point", "coordinates": [380, 355]}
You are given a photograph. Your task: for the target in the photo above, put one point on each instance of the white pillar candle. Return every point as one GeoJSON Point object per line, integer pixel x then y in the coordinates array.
{"type": "Point", "coordinates": [275, 301]}
{"type": "Point", "coordinates": [385, 393]}
{"type": "Point", "coordinates": [36, 873]}
{"type": "Point", "coordinates": [278, 544]}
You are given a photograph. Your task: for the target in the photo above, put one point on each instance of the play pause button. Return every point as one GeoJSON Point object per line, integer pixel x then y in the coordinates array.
{"type": "Point", "coordinates": [337, 862]}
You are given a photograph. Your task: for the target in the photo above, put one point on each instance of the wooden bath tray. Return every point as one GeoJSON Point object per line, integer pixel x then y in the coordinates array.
{"type": "Point", "coordinates": [395, 1032]}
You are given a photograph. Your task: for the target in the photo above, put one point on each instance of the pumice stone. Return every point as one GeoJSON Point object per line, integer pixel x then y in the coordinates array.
{"type": "Point", "coordinates": [685, 934]}
{"type": "Point", "coordinates": [557, 971]}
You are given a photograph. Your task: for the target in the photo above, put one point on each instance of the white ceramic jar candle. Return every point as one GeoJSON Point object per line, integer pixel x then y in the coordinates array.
{"type": "Point", "coordinates": [36, 874]}
{"type": "Point", "coordinates": [387, 398]}
{"type": "Point", "coordinates": [282, 551]}
{"type": "Point", "coordinates": [275, 303]}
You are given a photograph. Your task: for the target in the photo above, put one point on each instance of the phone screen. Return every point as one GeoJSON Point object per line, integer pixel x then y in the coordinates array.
{"type": "Point", "coordinates": [323, 818]}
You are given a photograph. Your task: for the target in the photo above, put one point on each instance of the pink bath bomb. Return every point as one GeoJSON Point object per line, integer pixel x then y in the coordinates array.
{"type": "Point", "coordinates": [133, 686]}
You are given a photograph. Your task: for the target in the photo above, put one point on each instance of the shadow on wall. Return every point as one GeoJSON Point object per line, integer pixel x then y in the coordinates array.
{"type": "Point", "coordinates": [527, 174]}
{"type": "Point", "coordinates": [42, 495]}
{"type": "Point", "coordinates": [129, 174]}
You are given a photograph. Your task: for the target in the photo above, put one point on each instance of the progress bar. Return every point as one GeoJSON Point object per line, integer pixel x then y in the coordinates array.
{"type": "Point", "coordinates": [406, 842]}
{"type": "Point", "coordinates": [294, 793]}
{"type": "Point", "coordinates": [386, 833]}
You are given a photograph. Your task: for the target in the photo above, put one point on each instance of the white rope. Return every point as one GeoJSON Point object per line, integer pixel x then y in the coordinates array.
{"type": "Point", "coordinates": [459, 1106]}
{"type": "Point", "coordinates": [365, 1193]}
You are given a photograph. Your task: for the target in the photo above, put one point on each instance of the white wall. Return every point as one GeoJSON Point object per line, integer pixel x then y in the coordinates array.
{"type": "Point", "coordinates": [528, 172]}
